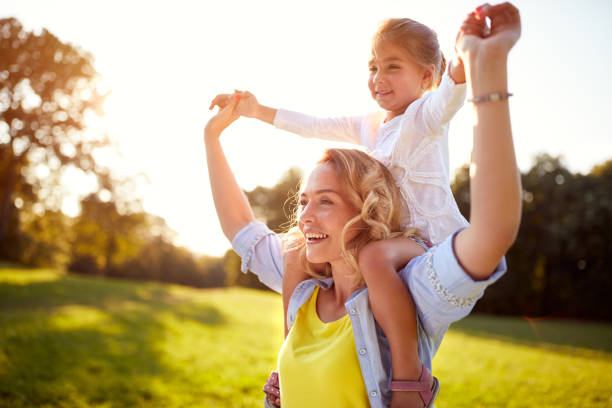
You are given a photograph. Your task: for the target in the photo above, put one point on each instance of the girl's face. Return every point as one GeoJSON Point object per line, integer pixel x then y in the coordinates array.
{"type": "Point", "coordinates": [324, 211]}
{"type": "Point", "coordinates": [395, 80]}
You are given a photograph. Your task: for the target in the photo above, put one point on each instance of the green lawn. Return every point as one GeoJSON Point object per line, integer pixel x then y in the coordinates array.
{"type": "Point", "coordinates": [70, 341]}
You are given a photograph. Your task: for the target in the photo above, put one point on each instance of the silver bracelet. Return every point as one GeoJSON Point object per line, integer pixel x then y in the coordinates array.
{"type": "Point", "coordinates": [493, 97]}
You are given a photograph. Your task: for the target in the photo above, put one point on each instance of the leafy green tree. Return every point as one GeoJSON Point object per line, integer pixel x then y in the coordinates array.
{"type": "Point", "coordinates": [276, 205]}
{"type": "Point", "coordinates": [560, 262]}
{"type": "Point", "coordinates": [104, 238]}
{"type": "Point", "coordinates": [47, 89]}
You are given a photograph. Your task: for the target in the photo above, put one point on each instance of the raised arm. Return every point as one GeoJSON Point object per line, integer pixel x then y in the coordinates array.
{"type": "Point", "coordinates": [494, 177]}
{"type": "Point", "coordinates": [342, 129]}
{"type": "Point", "coordinates": [232, 207]}
{"type": "Point", "coordinates": [248, 106]}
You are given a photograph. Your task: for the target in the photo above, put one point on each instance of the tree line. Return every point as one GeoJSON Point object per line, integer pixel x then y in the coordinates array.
{"type": "Point", "coordinates": [47, 90]}
{"type": "Point", "coordinates": [559, 265]}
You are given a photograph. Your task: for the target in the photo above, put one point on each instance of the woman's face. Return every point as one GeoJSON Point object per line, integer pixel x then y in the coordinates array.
{"type": "Point", "coordinates": [324, 211]}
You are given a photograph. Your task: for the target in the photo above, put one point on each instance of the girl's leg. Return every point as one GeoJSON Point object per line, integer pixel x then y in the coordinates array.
{"type": "Point", "coordinates": [379, 262]}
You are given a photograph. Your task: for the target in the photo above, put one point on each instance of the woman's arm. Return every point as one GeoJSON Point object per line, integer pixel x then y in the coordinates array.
{"type": "Point", "coordinates": [232, 207]}
{"type": "Point", "coordinates": [494, 177]}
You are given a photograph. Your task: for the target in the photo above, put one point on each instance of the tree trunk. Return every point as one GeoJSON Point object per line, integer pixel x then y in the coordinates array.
{"type": "Point", "coordinates": [6, 207]}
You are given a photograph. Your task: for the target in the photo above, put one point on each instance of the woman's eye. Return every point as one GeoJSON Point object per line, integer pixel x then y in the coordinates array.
{"type": "Point", "coordinates": [325, 201]}
{"type": "Point", "coordinates": [372, 69]}
{"type": "Point", "coordinates": [393, 66]}
{"type": "Point", "coordinates": [303, 203]}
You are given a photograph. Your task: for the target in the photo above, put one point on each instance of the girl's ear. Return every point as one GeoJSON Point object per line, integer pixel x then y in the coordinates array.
{"type": "Point", "coordinates": [428, 75]}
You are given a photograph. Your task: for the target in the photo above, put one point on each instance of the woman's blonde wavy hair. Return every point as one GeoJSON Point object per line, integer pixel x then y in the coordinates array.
{"type": "Point", "coordinates": [371, 190]}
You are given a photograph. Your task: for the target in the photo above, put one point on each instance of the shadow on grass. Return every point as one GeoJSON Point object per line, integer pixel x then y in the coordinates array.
{"type": "Point", "coordinates": [80, 341]}
{"type": "Point", "coordinates": [562, 335]}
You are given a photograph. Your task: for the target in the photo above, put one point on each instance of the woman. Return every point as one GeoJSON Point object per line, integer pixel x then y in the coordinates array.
{"type": "Point", "coordinates": [445, 282]}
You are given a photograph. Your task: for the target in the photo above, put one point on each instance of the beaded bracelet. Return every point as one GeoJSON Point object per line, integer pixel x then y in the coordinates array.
{"type": "Point", "coordinates": [493, 97]}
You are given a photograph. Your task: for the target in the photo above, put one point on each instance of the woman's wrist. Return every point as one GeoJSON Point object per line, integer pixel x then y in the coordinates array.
{"type": "Point", "coordinates": [211, 135]}
{"type": "Point", "coordinates": [487, 73]}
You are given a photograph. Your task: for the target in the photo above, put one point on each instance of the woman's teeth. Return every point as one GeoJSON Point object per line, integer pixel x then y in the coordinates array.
{"type": "Point", "coordinates": [315, 236]}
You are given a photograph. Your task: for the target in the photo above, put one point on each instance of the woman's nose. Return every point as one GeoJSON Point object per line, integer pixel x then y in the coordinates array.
{"type": "Point", "coordinates": [305, 215]}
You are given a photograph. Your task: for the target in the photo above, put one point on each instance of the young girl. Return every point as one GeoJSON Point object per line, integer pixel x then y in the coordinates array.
{"type": "Point", "coordinates": [410, 136]}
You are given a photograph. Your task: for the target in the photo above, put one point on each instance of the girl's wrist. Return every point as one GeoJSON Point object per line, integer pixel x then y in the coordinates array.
{"type": "Point", "coordinates": [258, 111]}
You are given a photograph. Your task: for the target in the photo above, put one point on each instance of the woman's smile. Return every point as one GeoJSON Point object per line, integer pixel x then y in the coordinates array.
{"type": "Point", "coordinates": [314, 238]}
{"type": "Point", "coordinates": [324, 207]}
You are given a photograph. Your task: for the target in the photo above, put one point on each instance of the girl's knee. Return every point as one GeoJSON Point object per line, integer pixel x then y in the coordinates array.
{"type": "Point", "coordinates": [373, 257]}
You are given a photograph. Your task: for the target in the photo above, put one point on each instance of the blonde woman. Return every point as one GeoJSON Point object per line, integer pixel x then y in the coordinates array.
{"type": "Point", "coordinates": [334, 354]}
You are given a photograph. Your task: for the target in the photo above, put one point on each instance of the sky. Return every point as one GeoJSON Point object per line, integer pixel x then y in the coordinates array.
{"type": "Point", "coordinates": [165, 60]}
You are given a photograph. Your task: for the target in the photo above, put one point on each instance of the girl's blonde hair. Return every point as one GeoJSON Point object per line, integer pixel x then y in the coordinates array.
{"type": "Point", "coordinates": [418, 40]}
{"type": "Point", "coordinates": [371, 190]}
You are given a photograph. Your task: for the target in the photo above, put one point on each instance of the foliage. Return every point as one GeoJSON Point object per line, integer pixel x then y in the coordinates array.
{"type": "Point", "coordinates": [560, 262]}
{"type": "Point", "coordinates": [105, 235]}
{"type": "Point", "coordinates": [47, 89]}
{"type": "Point", "coordinates": [77, 341]}
{"type": "Point", "coordinates": [276, 205]}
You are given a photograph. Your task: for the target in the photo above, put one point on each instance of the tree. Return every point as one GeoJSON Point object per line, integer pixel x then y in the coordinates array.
{"type": "Point", "coordinates": [47, 89]}
{"type": "Point", "coordinates": [104, 237]}
{"type": "Point", "coordinates": [276, 205]}
{"type": "Point", "coordinates": [560, 262]}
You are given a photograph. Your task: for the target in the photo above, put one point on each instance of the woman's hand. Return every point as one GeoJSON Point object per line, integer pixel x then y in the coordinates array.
{"type": "Point", "coordinates": [226, 115]}
{"type": "Point", "coordinates": [476, 38]}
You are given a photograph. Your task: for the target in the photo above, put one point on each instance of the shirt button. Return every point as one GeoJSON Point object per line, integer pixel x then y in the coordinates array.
{"type": "Point", "coordinates": [373, 393]}
{"type": "Point", "coordinates": [353, 311]}
{"type": "Point", "coordinates": [362, 351]}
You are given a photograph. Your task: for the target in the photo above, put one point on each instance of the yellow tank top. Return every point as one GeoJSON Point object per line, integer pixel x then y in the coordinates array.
{"type": "Point", "coordinates": [318, 364]}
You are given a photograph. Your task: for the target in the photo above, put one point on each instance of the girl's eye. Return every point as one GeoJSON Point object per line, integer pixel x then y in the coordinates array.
{"type": "Point", "coordinates": [303, 203]}
{"type": "Point", "coordinates": [325, 201]}
{"type": "Point", "coordinates": [393, 66]}
{"type": "Point", "coordinates": [372, 69]}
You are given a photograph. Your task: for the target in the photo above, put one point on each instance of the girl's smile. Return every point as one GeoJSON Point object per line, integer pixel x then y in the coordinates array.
{"type": "Point", "coordinates": [395, 80]}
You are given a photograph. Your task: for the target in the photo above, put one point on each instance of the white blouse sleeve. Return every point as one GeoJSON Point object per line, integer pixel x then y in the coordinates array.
{"type": "Point", "coordinates": [426, 123]}
{"type": "Point", "coordinates": [261, 252]}
{"type": "Point", "coordinates": [442, 291]}
{"type": "Point", "coordinates": [341, 129]}
{"type": "Point", "coordinates": [440, 105]}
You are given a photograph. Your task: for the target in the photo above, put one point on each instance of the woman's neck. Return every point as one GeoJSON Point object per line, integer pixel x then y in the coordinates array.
{"type": "Point", "coordinates": [345, 281]}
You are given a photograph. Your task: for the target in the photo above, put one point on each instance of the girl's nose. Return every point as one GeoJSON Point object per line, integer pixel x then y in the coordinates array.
{"type": "Point", "coordinates": [378, 77]}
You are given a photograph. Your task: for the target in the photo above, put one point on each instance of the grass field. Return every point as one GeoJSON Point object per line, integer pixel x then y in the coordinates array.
{"type": "Point", "coordinates": [71, 341]}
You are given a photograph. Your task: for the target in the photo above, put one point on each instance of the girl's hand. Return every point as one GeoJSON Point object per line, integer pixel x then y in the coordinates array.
{"type": "Point", "coordinates": [475, 37]}
{"type": "Point", "coordinates": [223, 118]}
{"type": "Point", "coordinates": [247, 105]}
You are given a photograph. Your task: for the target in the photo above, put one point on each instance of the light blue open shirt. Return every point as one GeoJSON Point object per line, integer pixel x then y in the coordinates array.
{"type": "Point", "coordinates": [442, 291]}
